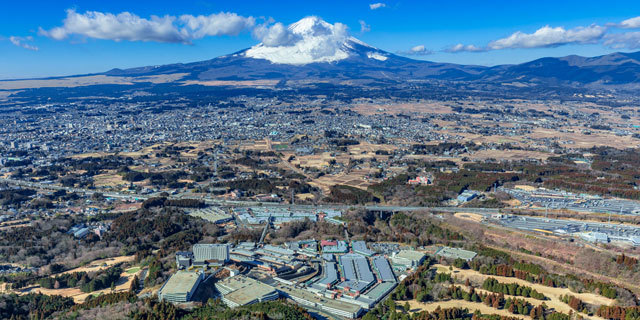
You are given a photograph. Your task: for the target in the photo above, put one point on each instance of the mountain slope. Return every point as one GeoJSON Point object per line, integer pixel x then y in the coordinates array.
{"type": "Point", "coordinates": [314, 50]}
{"type": "Point", "coordinates": [615, 68]}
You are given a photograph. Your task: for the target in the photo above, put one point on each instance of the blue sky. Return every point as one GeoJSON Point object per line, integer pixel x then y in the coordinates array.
{"type": "Point", "coordinates": [469, 32]}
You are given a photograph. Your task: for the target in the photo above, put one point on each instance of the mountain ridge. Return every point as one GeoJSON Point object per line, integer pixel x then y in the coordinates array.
{"type": "Point", "coordinates": [313, 49]}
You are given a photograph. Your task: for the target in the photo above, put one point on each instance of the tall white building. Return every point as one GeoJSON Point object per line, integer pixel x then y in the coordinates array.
{"type": "Point", "coordinates": [203, 252]}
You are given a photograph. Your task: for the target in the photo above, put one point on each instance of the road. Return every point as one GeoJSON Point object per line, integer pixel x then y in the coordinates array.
{"type": "Point", "coordinates": [242, 203]}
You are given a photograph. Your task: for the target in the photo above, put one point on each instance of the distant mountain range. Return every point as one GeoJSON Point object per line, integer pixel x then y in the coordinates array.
{"type": "Point", "coordinates": [317, 51]}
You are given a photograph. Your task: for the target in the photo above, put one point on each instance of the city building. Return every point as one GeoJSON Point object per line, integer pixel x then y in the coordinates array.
{"type": "Point", "coordinates": [184, 259]}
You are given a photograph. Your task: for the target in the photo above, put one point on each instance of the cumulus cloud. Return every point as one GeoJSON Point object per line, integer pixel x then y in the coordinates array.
{"type": "Point", "coordinates": [130, 27]}
{"type": "Point", "coordinates": [464, 48]}
{"type": "Point", "coordinates": [224, 23]}
{"type": "Point", "coordinates": [275, 35]}
{"type": "Point", "coordinates": [419, 50]}
{"type": "Point", "coordinates": [550, 37]}
{"type": "Point", "coordinates": [632, 23]}
{"type": "Point", "coordinates": [377, 5]}
{"type": "Point", "coordinates": [628, 40]}
{"type": "Point", "coordinates": [22, 42]}
{"type": "Point", "coordinates": [364, 27]}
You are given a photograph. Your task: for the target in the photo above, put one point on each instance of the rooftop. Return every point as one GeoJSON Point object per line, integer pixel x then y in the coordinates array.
{"type": "Point", "coordinates": [410, 255]}
{"type": "Point", "coordinates": [456, 253]}
{"type": "Point", "coordinates": [180, 282]}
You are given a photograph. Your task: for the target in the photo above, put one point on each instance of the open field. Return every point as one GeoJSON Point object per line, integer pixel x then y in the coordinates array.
{"type": "Point", "coordinates": [552, 293]}
{"type": "Point", "coordinates": [108, 180]}
{"type": "Point", "coordinates": [238, 83]}
{"type": "Point", "coordinates": [123, 284]}
{"type": "Point", "coordinates": [71, 82]}
{"type": "Point", "coordinates": [101, 264]}
{"type": "Point", "coordinates": [132, 270]}
{"type": "Point", "coordinates": [469, 216]}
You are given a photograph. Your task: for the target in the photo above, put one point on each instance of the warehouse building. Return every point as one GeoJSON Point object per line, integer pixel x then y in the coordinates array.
{"type": "Point", "coordinates": [241, 290]}
{"type": "Point", "coordinates": [361, 248]}
{"type": "Point", "coordinates": [408, 258]}
{"type": "Point", "coordinates": [212, 214]}
{"type": "Point", "coordinates": [595, 237]}
{"type": "Point", "coordinates": [181, 286]}
{"type": "Point", "coordinates": [455, 253]}
{"type": "Point", "coordinates": [356, 274]}
{"type": "Point", "coordinates": [334, 246]}
{"type": "Point", "coordinates": [383, 269]}
{"type": "Point", "coordinates": [310, 300]}
{"type": "Point", "coordinates": [467, 195]}
{"type": "Point", "coordinates": [330, 277]}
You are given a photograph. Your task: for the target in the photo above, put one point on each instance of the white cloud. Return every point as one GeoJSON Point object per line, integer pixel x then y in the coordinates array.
{"type": "Point", "coordinates": [22, 42]}
{"type": "Point", "coordinates": [464, 48]}
{"type": "Point", "coordinates": [223, 23]}
{"type": "Point", "coordinates": [364, 27]}
{"type": "Point", "coordinates": [130, 27]}
{"type": "Point", "coordinates": [550, 37]}
{"type": "Point", "coordinates": [419, 50]}
{"type": "Point", "coordinates": [123, 26]}
{"type": "Point", "coordinates": [627, 40]}
{"type": "Point", "coordinates": [275, 35]}
{"type": "Point", "coordinates": [630, 23]}
{"type": "Point", "coordinates": [377, 5]}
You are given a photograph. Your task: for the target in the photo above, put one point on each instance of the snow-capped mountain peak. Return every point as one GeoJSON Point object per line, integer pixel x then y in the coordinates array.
{"type": "Point", "coordinates": [309, 40]}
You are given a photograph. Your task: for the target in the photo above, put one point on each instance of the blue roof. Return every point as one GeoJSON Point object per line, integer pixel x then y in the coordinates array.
{"type": "Point", "coordinates": [361, 247]}
{"type": "Point", "coordinates": [382, 266]}
{"type": "Point", "coordinates": [330, 275]}
{"type": "Point", "coordinates": [356, 271]}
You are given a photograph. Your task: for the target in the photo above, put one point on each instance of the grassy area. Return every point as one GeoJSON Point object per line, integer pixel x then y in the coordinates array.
{"type": "Point", "coordinates": [280, 146]}
{"type": "Point", "coordinates": [132, 270]}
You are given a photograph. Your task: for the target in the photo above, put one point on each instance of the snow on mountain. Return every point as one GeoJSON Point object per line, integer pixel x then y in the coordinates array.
{"type": "Point", "coordinates": [307, 41]}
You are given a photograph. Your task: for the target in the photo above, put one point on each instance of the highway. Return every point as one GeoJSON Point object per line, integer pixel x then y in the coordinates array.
{"type": "Point", "coordinates": [243, 203]}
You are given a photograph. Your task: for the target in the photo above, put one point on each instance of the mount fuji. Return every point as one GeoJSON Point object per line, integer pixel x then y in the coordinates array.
{"type": "Point", "coordinates": [313, 51]}
{"type": "Point", "coordinates": [309, 49]}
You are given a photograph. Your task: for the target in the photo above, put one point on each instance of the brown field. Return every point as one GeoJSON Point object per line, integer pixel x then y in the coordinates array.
{"type": "Point", "coordinates": [246, 83]}
{"type": "Point", "coordinates": [355, 178]}
{"type": "Point", "coordinates": [108, 180]}
{"type": "Point", "coordinates": [101, 264]}
{"type": "Point", "coordinates": [469, 216]}
{"type": "Point", "coordinates": [509, 155]}
{"type": "Point", "coordinates": [472, 306]}
{"type": "Point", "coordinates": [86, 81]}
{"type": "Point", "coordinates": [596, 138]}
{"type": "Point", "coordinates": [124, 283]}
